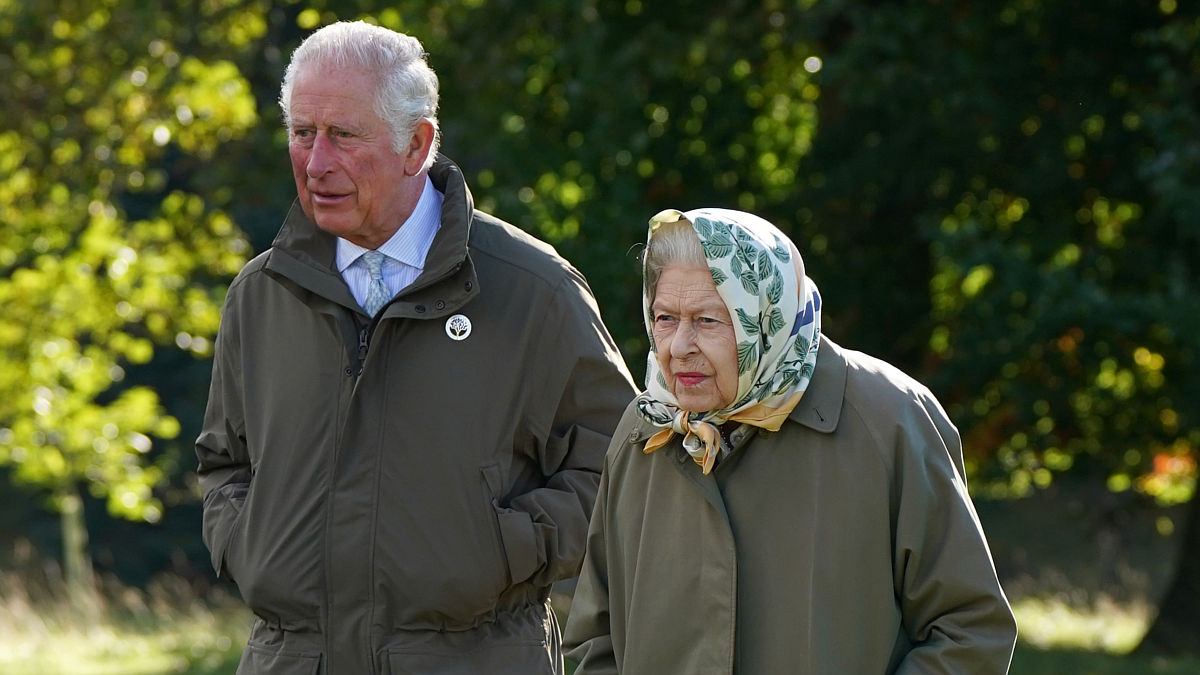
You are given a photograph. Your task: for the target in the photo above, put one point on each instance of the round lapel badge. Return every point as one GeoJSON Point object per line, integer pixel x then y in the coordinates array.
{"type": "Point", "coordinates": [458, 327]}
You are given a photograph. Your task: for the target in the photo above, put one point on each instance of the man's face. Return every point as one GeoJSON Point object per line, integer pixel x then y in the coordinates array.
{"type": "Point", "coordinates": [350, 181]}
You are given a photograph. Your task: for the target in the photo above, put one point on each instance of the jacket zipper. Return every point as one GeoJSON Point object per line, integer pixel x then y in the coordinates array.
{"type": "Point", "coordinates": [364, 340]}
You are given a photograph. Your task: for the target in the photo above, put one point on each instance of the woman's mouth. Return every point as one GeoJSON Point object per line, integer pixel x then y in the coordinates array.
{"type": "Point", "coordinates": [690, 379]}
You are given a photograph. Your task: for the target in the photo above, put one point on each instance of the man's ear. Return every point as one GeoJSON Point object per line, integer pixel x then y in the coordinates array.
{"type": "Point", "coordinates": [418, 148]}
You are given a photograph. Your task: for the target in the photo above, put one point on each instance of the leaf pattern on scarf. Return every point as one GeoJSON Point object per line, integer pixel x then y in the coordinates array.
{"type": "Point", "coordinates": [746, 351]}
{"type": "Point", "coordinates": [775, 289]}
{"type": "Point", "coordinates": [716, 241]}
{"type": "Point", "coordinates": [801, 347]}
{"type": "Point", "coordinates": [774, 321]}
{"type": "Point", "coordinates": [766, 268]}
{"type": "Point", "coordinates": [749, 280]}
{"type": "Point", "coordinates": [749, 323]}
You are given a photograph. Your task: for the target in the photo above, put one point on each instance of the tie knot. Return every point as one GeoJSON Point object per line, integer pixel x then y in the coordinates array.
{"type": "Point", "coordinates": [374, 263]}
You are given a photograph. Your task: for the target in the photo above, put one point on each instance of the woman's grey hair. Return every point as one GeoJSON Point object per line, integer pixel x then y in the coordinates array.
{"type": "Point", "coordinates": [671, 245]}
{"type": "Point", "coordinates": [408, 87]}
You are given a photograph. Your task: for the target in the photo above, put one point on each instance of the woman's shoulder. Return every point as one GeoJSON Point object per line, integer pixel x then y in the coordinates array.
{"type": "Point", "coordinates": [875, 383]}
{"type": "Point", "coordinates": [629, 437]}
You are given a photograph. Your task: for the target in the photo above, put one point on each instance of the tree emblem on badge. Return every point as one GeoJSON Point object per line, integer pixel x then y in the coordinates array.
{"type": "Point", "coordinates": [458, 327]}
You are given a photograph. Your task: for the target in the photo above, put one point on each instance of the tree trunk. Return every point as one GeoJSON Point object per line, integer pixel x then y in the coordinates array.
{"type": "Point", "coordinates": [77, 562]}
{"type": "Point", "coordinates": [1174, 630]}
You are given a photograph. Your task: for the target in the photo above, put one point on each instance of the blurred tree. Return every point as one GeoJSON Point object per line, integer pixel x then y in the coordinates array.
{"type": "Point", "coordinates": [1045, 156]}
{"type": "Point", "coordinates": [105, 257]}
{"type": "Point", "coordinates": [997, 196]}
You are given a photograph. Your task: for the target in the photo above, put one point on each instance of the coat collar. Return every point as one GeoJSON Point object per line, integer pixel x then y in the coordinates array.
{"type": "Point", "coordinates": [821, 406]}
{"type": "Point", "coordinates": [306, 254]}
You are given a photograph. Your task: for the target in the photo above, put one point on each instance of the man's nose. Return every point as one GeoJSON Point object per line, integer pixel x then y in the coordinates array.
{"type": "Point", "coordinates": [320, 157]}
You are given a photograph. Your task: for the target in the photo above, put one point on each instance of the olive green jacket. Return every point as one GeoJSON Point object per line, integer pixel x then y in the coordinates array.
{"type": "Point", "coordinates": [390, 499]}
{"type": "Point", "coordinates": [843, 544]}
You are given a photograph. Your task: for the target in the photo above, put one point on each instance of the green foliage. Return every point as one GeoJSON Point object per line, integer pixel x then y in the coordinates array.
{"type": "Point", "coordinates": [999, 197]}
{"type": "Point", "coordinates": [100, 107]}
{"type": "Point", "coordinates": [1052, 191]}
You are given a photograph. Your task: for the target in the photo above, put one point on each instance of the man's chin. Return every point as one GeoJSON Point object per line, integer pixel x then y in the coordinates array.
{"type": "Point", "coordinates": [337, 226]}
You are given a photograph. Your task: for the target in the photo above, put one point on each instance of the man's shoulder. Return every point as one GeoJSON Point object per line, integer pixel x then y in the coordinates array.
{"type": "Point", "coordinates": [508, 246]}
{"type": "Point", "coordinates": [250, 271]}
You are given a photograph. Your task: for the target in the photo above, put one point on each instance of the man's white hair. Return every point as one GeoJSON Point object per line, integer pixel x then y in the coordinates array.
{"type": "Point", "coordinates": [407, 90]}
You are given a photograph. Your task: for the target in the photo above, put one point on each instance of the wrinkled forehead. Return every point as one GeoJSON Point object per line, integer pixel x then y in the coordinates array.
{"type": "Point", "coordinates": [687, 289]}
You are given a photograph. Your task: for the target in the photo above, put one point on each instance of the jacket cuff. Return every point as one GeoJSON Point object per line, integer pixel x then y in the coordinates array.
{"type": "Point", "coordinates": [519, 538]}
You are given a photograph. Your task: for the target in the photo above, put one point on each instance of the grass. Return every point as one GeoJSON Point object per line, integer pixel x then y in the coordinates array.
{"type": "Point", "coordinates": [168, 627]}
{"type": "Point", "coordinates": [171, 628]}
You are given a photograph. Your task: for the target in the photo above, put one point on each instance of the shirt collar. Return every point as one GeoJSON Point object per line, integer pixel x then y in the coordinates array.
{"type": "Point", "coordinates": [410, 243]}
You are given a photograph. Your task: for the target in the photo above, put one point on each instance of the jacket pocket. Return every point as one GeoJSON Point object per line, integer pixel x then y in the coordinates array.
{"type": "Point", "coordinates": [271, 651]}
{"type": "Point", "coordinates": [519, 541]}
{"type": "Point", "coordinates": [258, 660]}
{"type": "Point", "coordinates": [222, 518]}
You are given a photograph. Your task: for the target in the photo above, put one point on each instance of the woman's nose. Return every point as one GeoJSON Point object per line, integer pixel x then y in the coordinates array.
{"type": "Point", "coordinates": [683, 342]}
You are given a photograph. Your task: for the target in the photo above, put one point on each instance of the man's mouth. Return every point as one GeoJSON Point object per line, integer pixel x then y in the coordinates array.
{"type": "Point", "coordinates": [328, 198]}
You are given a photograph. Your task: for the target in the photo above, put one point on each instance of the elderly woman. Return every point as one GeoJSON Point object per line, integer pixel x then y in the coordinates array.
{"type": "Point", "coordinates": [774, 503]}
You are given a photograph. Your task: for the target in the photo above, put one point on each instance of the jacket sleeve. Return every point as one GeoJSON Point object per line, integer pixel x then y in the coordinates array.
{"type": "Point", "coordinates": [954, 610]}
{"type": "Point", "coordinates": [224, 463]}
{"type": "Point", "coordinates": [588, 634]}
{"type": "Point", "coordinates": [581, 376]}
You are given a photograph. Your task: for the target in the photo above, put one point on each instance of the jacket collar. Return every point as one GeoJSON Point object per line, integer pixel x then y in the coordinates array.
{"type": "Point", "coordinates": [306, 254]}
{"type": "Point", "coordinates": [821, 406]}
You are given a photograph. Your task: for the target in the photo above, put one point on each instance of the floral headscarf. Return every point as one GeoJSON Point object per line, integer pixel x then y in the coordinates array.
{"type": "Point", "coordinates": [776, 312]}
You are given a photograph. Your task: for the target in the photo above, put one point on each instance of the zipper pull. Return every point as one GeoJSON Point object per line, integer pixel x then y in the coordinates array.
{"type": "Point", "coordinates": [364, 337]}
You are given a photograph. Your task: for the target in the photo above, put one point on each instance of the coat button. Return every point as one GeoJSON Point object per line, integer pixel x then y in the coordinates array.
{"type": "Point", "coordinates": [440, 304]}
{"type": "Point", "coordinates": [420, 309]}
{"type": "Point", "coordinates": [468, 286]}
{"type": "Point", "coordinates": [349, 372]}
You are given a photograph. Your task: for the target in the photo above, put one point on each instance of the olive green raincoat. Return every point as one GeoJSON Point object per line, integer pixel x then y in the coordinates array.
{"type": "Point", "coordinates": [843, 544]}
{"type": "Point", "coordinates": [397, 495]}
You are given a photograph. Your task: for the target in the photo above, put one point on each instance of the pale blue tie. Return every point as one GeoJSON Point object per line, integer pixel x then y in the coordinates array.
{"type": "Point", "coordinates": [377, 292]}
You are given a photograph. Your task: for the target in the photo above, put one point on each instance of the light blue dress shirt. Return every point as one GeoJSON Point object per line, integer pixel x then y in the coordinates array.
{"type": "Point", "coordinates": [405, 251]}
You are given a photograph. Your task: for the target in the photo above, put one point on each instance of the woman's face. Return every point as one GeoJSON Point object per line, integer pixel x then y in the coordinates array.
{"type": "Point", "coordinates": [694, 339]}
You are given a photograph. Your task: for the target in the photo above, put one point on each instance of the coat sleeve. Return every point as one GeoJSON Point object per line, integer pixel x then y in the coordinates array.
{"type": "Point", "coordinates": [224, 463]}
{"type": "Point", "coordinates": [954, 610]}
{"type": "Point", "coordinates": [583, 379]}
{"type": "Point", "coordinates": [588, 634]}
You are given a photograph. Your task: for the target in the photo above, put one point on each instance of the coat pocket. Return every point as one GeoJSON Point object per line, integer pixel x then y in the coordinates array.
{"type": "Point", "coordinates": [258, 660]}
{"type": "Point", "coordinates": [223, 510]}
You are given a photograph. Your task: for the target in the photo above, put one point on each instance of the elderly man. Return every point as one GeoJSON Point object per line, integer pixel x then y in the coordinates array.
{"type": "Point", "coordinates": [410, 401]}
